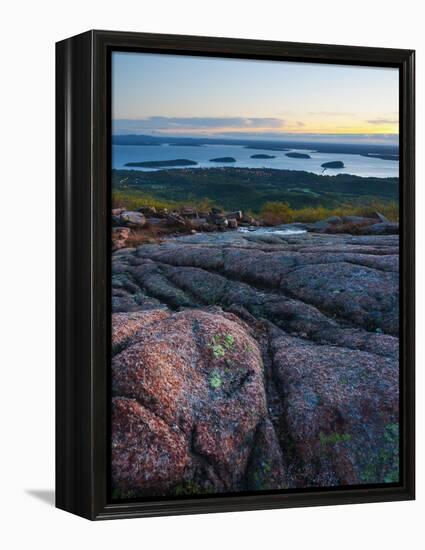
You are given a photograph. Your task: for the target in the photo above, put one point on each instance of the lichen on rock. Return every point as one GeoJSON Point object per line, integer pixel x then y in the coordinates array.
{"type": "Point", "coordinates": [247, 362]}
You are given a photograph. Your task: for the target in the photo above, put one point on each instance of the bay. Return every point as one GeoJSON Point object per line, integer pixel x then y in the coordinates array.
{"type": "Point", "coordinates": [353, 163]}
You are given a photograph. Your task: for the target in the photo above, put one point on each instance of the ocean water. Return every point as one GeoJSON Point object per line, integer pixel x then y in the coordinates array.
{"type": "Point", "coordinates": [353, 164]}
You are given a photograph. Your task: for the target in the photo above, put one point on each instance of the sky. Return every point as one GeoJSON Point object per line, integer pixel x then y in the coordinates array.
{"type": "Point", "coordinates": [173, 95]}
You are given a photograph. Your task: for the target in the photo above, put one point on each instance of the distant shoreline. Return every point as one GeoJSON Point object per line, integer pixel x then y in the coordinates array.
{"type": "Point", "coordinates": [259, 170]}
{"type": "Point", "coordinates": [162, 163]}
{"type": "Point", "coordinates": [283, 145]}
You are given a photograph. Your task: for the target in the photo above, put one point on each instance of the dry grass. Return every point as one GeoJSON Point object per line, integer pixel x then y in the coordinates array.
{"type": "Point", "coordinates": [137, 200]}
{"type": "Point", "coordinates": [275, 213]}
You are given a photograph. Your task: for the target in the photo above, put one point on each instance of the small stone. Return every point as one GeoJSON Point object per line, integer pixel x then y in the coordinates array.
{"type": "Point", "coordinates": [133, 219]}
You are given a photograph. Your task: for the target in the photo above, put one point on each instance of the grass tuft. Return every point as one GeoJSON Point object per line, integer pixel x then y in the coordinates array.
{"type": "Point", "coordinates": [275, 213]}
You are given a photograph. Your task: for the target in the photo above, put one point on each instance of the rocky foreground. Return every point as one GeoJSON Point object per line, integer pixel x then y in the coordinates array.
{"type": "Point", "coordinates": [252, 361]}
{"type": "Point", "coordinates": [129, 227]}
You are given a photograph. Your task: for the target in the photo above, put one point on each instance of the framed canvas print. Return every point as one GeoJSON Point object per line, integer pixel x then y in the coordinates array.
{"type": "Point", "coordinates": [235, 263]}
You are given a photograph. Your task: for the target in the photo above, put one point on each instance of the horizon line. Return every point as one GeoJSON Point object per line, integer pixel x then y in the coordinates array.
{"type": "Point", "coordinates": [243, 136]}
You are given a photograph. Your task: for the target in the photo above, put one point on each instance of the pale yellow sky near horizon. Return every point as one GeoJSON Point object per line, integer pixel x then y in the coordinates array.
{"type": "Point", "coordinates": [184, 95]}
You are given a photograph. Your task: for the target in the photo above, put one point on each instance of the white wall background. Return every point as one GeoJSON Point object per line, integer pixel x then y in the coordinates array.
{"type": "Point", "coordinates": [29, 30]}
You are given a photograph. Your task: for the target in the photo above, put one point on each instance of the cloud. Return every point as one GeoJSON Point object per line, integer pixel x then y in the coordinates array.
{"type": "Point", "coordinates": [196, 123]}
{"type": "Point", "coordinates": [382, 121]}
{"type": "Point", "coordinates": [330, 113]}
{"type": "Point", "coordinates": [346, 137]}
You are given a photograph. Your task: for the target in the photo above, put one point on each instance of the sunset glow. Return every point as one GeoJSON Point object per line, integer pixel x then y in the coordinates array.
{"type": "Point", "coordinates": [193, 96]}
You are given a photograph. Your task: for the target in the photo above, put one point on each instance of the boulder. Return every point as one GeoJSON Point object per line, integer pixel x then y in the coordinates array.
{"type": "Point", "coordinates": [132, 219]}
{"type": "Point", "coordinates": [352, 290]}
{"type": "Point", "coordinates": [188, 212]}
{"type": "Point", "coordinates": [155, 221]}
{"type": "Point", "coordinates": [382, 218]}
{"type": "Point", "coordinates": [148, 211]}
{"type": "Point", "coordinates": [216, 216]}
{"type": "Point", "coordinates": [319, 226]}
{"type": "Point", "coordinates": [203, 214]}
{"type": "Point", "coordinates": [232, 223]}
{"type": "Point", "coordinates": [247, 219]}
{"type": "Point", "coordinates": [357, 219]}
{"type": "Point", "coordinates": [189, 407]}
{"type": "Point", "coordinates": [382, 228]}
{"type": "Point", "coordinates": [120, 236]}
{"type": "Point", "coordinates": [237, 215]}
{"type": "Point", "coordinates": [174, 219]}
{"type": "Point", "coordinates": [221, 222]}
{"type": "Point", "coordinates": [117, 211]}
{"type": "Point", "coordinates": [333, 220]}
{"type": "Point", "coordinates": [195, 319]}
{"type": "Point", "coordinates": [162, 212]}
{"type": "Point", "coordinates": [200, 224]}
{"type": "Point", "coordinates": [326, 390]}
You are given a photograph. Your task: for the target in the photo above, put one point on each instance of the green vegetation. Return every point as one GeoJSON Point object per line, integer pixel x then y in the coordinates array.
{"type": "Point", "coordinates": [385, 464]}
{"type": "Point", "coordinates": [332, 439]}
{"type": "Point", "coordinates": [223, 159]}
{"type": "Point", "coordinates": [215, 380]}
{"type": "Point", "coordinates": [162, 163]}
{"type": "Point", "coordinates": [229, 340]}
{"type": "Point", "coordinates": [248, 188]}
{"type": "Point", "coordinates": [298, 155]}
{"type": "Point", "coordinates": [333, 164]}
{"type": "Point", "coordinates": [189, 487]}
{"type": "Point", "coordinates": [220, 344]}
{"type": "Point", "coordinates": [275, 213]}
{"type": "Point", "coordinates": [218, 351]}
{"type": "Point", "coordinates": [134, 199]}
{"type": "Point", "coordinates": [118, 494]}
{"type": "Point", "coordinates": [261, 477]}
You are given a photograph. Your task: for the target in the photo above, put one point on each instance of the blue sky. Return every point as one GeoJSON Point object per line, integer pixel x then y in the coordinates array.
{"type": "Point", "coordinates": [200, 96]}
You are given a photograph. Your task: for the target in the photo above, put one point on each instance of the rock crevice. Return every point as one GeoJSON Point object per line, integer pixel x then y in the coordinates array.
{"type": "Point", "coordinates": [243, 363]}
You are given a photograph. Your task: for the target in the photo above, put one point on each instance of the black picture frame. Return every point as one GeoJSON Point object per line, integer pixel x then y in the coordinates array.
{"type": "Point", "coordinates": [83, 272]}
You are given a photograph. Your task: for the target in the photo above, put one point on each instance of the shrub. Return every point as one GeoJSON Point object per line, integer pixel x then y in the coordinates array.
{"type": "Point", "coordinates": [275, 213]}
{"type": "Point", "coordinates": [133, 200]}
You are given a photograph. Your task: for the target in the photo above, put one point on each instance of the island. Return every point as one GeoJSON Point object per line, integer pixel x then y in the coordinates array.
{"type": "Point", "coordinates": [377, 150]}
{"type": "Point", "coordinates": [267, 147]}
{"type": "Point", "coordinates": [185, 144]}
{"type": "Point", "coordinates": [223, 159]}
{"type": "Point", "coordinates": [162, 163]}
{"type": "Point", "coordinates": [378, 156]}
{"type": "Point", "coordinates": [333, 164]}
{"type": "Point", "coordinates": [261, 156]}
{"type": "Point", "coordinates": [298, 155]}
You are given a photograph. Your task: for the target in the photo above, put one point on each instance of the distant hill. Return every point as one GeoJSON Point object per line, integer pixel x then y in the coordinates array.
{"type": "Point", "coordinates": [249, 188]}
{"type": "Point", "coordinates": [270, 145]}
{"type": "Point", "coordinates": [162, 163]}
